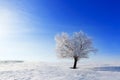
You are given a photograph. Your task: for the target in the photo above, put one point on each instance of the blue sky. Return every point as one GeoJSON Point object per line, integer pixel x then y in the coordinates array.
{"type": "Point", "coordinates": [27, 28]}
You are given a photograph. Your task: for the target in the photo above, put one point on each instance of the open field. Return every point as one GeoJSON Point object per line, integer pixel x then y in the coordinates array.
{"type": "Point", "coordinates": [58, 71]}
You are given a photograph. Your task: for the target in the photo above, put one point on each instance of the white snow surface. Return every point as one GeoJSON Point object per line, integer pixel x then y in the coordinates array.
{"type": "Point", "coordinates": [58, 71]}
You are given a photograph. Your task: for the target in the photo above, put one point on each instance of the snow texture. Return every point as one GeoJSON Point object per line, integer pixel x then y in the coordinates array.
{"type": "Point", "coordinates": [58, 71]}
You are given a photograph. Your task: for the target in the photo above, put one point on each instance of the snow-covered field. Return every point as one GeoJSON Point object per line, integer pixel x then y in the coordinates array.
{"type": "Point", "coordinates": [58, 71]}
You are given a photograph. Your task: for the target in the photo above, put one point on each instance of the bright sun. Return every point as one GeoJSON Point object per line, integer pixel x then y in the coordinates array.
{"type": "Point", "coordinates": [12, 22]}
{"type": "Point", "coordinates": [5, 22]}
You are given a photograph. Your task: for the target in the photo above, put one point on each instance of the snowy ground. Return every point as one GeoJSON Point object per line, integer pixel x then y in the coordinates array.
{"type": "Point", "coordinates": [58, 71]}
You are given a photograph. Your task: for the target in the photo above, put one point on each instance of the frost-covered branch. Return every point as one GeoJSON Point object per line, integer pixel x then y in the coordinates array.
{"type": "Point", "coordinates": [77, 45]}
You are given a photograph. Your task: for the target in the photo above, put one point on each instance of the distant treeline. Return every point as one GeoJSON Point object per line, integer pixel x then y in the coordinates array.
{"type": "Point", "coordinates": [11, 61]}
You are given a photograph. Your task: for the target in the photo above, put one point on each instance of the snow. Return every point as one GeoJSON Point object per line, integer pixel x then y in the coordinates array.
{"type": "Point", "coordinates": [58, 71]}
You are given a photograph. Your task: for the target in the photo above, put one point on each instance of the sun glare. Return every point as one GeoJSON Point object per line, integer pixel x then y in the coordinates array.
{"type": "Point", "coordinates": [5, 16]}
{"type": "Point", "coordinates": [5, 22]}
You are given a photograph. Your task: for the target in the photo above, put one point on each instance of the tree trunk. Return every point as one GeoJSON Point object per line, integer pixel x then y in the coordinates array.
{"type": "Point", "coordinates": [75, 62]}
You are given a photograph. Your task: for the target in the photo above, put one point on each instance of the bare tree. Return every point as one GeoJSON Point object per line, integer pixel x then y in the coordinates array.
{"type": "Point", "coordinates": [77, 46]}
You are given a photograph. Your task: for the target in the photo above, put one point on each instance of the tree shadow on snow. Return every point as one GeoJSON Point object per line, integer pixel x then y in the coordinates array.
{"type": "Point", "coordinates": [108, 68]}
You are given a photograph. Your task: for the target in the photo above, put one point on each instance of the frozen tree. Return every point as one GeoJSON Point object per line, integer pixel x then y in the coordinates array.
{"type": "Point", "coordinates": [77, 46]}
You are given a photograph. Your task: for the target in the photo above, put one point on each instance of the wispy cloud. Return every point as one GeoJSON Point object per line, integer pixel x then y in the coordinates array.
{"type": "Point", "coordinates": [20, 35]}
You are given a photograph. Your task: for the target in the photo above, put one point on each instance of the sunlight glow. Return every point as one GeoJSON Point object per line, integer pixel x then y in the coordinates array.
{"type": "Point", "coordinates": [5, 22]}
